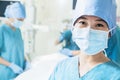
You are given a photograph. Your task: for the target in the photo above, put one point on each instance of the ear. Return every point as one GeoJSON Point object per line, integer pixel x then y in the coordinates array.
{"type": "Point", "coordinates": [109, 35]}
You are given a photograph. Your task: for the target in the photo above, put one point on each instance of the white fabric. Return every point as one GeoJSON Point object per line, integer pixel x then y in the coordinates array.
{"type": "Point", "coordinates": [42, 67]}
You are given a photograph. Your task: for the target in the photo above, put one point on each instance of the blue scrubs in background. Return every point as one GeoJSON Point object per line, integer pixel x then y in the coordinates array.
{"type": "Point", "coordinates": [67, 36]}
{"type": "Point", "coordinates": [11, 49]}
{"type": "Point", "coordinates": [69, 70]}
{"type": "Point", "coordinates": [69, 44]}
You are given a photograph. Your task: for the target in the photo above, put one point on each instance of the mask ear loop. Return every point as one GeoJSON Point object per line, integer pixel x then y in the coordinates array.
{"type": "Point", "coordinates": [105, 53]}
{"type": "Point", "coordinates": [110, 31]}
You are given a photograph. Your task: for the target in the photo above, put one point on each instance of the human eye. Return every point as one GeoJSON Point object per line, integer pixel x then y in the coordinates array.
{"type": "Point", "coordinates": [99, 25]}
{"type": "Point", "coordinates": [82, 24]}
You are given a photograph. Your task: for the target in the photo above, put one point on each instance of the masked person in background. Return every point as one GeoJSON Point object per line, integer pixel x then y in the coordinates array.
{"type": "Point", "coordinates": [12, 60]}
{"type": "Point", "coordinates": [93, 27]}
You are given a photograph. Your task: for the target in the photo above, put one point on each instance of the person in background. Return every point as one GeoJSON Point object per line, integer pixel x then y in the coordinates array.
{"type": "Point", "coordinates": [113, 52]}
{"type": "Point", "coordinates": [70, 48]}
{"type": "Point", "coordinates": [12, 60]}
{"type": "Point", "coordinates": [93, 27]}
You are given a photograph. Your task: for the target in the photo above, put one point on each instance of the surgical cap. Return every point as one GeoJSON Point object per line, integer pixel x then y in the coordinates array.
{"type": "Point", "coordinates": [15, 10]}
{"type": "Point", "coordinates": [104, 9]}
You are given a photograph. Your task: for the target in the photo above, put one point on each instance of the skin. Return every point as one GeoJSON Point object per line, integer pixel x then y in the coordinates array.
{"type": "Point", "coordinates": [8, 22]}
{"type": "Point", "coordinates": [87, 62]}
{"type": "Point", "coordinates": [74, 52]}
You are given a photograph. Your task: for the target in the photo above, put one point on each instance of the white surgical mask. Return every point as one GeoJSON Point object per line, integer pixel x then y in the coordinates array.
{"type": "Point", "coordinates": [17, 23]}
{"type": "Point", "coordinates": [90, 41]}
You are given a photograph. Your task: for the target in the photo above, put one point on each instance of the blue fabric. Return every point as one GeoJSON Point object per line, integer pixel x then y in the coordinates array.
{"type": "Point", "coordinates": [105, 9]}
{"type": "Point", "coordinates": [15, 10]}
{"type": "Point", "coordinates": [69, 44]}
{"type": "Point", "coordinates": [66, 52]}
{"type": "Point", "coordinates": [113, 50]}
{"type": "Point", "coordinates": [11, 49]}
{"type": "Point", "coordinates": [67, 36]}
{"type": "Point", "coordinates": [68, 70]}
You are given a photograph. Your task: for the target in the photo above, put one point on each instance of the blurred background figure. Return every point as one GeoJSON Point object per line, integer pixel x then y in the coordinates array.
{"type": "Point", "coordinates": [43, 23]}
{"type": "Point", "coordinates": [12, 59]}
{"type": "Point", "coordinates": [69, 48]}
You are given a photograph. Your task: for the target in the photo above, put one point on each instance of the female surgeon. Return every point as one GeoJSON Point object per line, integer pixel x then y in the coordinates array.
{"type": "Point", "coordinates": [12, 60]}
{"type": "Point", "coordinates": [94, 24]}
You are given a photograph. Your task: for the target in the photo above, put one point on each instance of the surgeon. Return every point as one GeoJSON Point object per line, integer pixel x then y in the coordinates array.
{"type": "Point", "coordinates": [12, 60]}
{"type": "Point", "coordinates": [70, 48]}
{"type": "Point", "coordinates": [93, 27]}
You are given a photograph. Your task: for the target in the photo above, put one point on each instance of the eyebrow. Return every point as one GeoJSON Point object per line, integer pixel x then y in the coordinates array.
{"type": "Point", "coordinates": [82, 17]}
{"type": "Point", "coordinates": [102, 20]}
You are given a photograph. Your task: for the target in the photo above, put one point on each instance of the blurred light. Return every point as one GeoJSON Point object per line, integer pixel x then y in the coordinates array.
{"type": "Point", "coordinates": [62, 2]}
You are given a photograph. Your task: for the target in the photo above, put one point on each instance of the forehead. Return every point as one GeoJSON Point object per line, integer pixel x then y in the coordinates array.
{"type": "Point", "coordinates": [90, 17]}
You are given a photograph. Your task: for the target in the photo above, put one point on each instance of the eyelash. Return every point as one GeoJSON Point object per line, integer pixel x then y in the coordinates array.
{"type": "Point", "coordinates": [82, 22]}
{"type": "Point", "coordinates": [100, 25]}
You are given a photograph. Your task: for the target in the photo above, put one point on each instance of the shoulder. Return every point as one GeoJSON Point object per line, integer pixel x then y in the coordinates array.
{"type": "Point", "coordinates": [18, 30]}
{"type": "Point", "coordinates": [66, 69]}
{"type": "Point", "coordinates": [4, 27]}
{"type": "Point", "coordinates": [113, 65]}
{"type": "Point", "coordinates": [69, 61]}
{"type": "Point", "coordinates": [67, 32]}
{"type": "Point", "coordinates": [113, 68]}
{"type": "Point", "coordinates": [115, 72]}
{"type": "Point", "coordinates": [68, 64]}
{"type": "Point", "coordinates": [117, 31]}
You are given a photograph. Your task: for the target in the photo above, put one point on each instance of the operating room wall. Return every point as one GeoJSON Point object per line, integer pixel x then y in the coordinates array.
{"type": "Point", "coordinates": [49, 21]}
{"type": "Point", "coordinates": [118, 12]}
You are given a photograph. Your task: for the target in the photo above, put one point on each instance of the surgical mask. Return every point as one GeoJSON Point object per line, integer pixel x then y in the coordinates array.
{"type": "Point", "coordinates": [90, 41]}
{"type": "Point", "coordinates": [17, 23]}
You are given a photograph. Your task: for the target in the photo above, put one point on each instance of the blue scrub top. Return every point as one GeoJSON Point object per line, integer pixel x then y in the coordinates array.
{"type": "Point", "coordinates": [11, 49]}
{"type": "Point", "coordinates": [113, 50]}
{"type": "Point", "coordinates": [67, 36]}
{"type": "Point", "coordinates": [68, 70]}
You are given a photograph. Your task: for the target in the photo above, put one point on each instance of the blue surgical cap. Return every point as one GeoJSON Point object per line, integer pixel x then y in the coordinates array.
{"type": "Point", "coordinates": [15, 10]}
{"type": "Point", "coordinates": [104, 9]}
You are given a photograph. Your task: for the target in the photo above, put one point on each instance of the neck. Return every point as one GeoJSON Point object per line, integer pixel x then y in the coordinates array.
{"type": "Point", "coordinates": [87, 62]}
{"type": "Point", "coordinates": [9, 24]}
{"type": "Point", "coordinates": [98, 58]}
